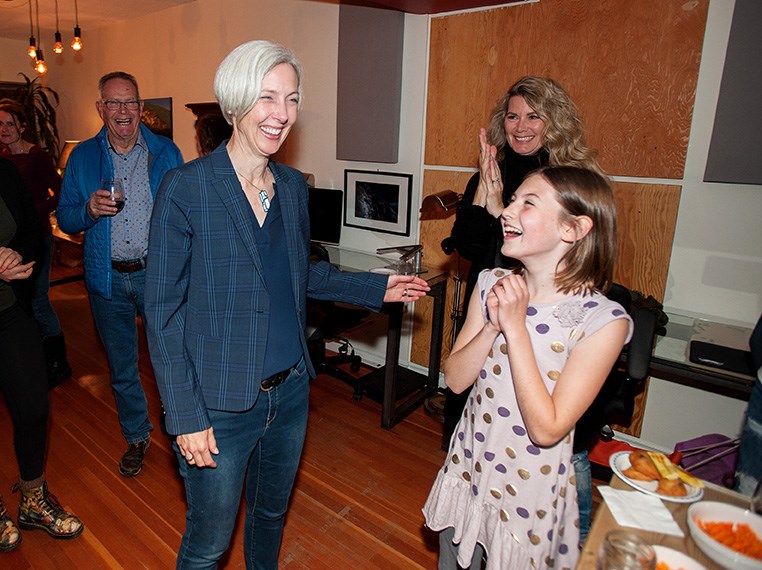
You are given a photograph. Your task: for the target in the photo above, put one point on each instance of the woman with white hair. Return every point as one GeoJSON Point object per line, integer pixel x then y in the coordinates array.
{"type": "Point", "coordinates": [228, 275]}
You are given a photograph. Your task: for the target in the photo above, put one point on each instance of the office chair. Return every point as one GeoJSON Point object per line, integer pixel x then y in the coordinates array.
{"type": "Point", "coordinates": [615, 402]}
{"type": "Point", "coordinates": [327, 321]}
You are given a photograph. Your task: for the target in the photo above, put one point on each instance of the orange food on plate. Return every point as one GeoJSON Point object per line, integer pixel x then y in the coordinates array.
{"type": "Point", "coordinates": [641, 462]}
{"type": "Point", "coordinates": [662, 566]}
{"type": "Point", "coordinates": [671, 488]}
{"type": "Point", "coordinates": [739, 537]}
{"type": "Point", "coordinates": [665, 566]}
{"type": "Point", "coordinates": [643, 468]}
{"type": "Point", "coordinates": [633, 473]}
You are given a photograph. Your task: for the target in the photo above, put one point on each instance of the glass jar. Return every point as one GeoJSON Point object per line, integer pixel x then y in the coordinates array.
{"type": "Point", "coordinates": [623, 550]}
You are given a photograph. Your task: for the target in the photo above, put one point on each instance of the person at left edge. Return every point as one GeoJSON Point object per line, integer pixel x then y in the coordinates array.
{"type": "Point", "coordinates": [228, 276]}
{"type": "Point", "coordinates": [116, 245]}
{"type": "Point", "coordinates": [44, 184]}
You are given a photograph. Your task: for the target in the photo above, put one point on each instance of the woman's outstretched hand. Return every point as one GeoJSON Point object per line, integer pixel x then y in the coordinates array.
{"type": "Point", "coordinates": [405, 289]}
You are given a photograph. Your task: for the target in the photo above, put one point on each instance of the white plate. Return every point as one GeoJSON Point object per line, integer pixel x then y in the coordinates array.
{"type": "Point", "coordinates": [620, 462]}
{"type": "Point", "coordinates": [676, 560]}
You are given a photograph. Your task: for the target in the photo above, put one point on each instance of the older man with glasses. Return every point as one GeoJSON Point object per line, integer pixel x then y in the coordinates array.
{"type": "Point", "coordinates": [130, 156]}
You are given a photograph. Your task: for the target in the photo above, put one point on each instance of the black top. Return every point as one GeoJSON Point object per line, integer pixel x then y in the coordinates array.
{"type": "Point", "coordinates": [477, 235]}
{"type": "Point", "coordinates": [27, 239]}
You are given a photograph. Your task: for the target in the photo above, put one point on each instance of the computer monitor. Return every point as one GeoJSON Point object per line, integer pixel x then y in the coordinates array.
{"type": "Point", "coordinates": [326, 216]}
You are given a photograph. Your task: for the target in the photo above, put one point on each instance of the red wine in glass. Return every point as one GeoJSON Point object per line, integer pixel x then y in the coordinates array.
{"type": "Point", "coordinates": [116, 189]}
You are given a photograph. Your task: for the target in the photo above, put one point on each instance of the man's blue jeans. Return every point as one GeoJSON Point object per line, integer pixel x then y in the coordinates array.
{"type": "Point", "coordinates": [117, 327]}
{"type": "Point", "coordinates": [260, 448]}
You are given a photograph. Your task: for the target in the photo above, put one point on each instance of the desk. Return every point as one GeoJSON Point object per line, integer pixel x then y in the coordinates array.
{"type": "Point", "coordinates": [605, 522]}
{"type": "Point", "coordinates": [388, 380]}
{"type": "Point", "coordinates": [670, 358]}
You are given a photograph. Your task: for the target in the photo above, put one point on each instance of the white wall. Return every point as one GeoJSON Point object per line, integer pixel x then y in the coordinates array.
{"type": "Point", "coordinates": [716, 265]}
{"type": "Point", "coordinates": [13, 59]}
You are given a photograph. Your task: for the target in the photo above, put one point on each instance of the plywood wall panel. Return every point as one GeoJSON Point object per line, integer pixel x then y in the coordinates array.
{"type": "Point", "coordinates": [631, 68]}
{"type": "Point", "coordinates": [646, 217]}
{"type": "Point", "coordinates": [432, 234]}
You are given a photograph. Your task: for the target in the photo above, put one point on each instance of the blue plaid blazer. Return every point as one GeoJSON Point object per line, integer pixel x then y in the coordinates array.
{"type": "Point", "coordinates": [207, 308]}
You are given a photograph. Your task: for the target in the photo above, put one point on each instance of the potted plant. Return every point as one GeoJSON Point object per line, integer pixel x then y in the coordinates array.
{"type": "Point", "coordinates": [40, 113]}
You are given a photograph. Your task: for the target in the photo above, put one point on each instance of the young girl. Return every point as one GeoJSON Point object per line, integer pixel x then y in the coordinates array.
{"type": "Point", "coordinates": [537, 344]}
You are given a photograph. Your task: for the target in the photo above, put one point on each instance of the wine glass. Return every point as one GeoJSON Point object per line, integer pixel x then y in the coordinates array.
{"type": "Point", "coordinates": [116, 189]}
{"type": "Point", "coordinates": [755, 503]}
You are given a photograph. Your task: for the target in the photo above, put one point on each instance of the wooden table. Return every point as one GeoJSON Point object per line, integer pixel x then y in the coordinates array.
{"type": "Point", "coordinates": [605, 522]}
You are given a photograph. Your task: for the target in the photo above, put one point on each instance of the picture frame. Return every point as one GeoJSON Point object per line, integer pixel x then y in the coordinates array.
{"type": "Point", "coordinates": [378, 201]}
{"type": "Point", "coordinates": [157, 115]}
{"type": "Point", "coordinates": [8, 89]}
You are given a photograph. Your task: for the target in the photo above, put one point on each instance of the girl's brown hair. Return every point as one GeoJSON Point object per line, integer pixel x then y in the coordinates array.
{"type": "Point", "coordinates": [589, 264]}
{"type": "Point", "coordinates": [563, 136]}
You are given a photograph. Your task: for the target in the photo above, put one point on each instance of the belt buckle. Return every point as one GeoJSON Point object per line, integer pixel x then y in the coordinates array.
{"type": "Point", "coordinates": [273, 381]}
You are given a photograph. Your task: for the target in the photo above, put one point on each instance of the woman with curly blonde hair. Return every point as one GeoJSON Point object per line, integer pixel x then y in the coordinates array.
{"type": "Point", "coordinates": [563, 135]}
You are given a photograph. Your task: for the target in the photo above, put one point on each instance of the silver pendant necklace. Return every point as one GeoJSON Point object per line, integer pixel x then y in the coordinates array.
{"type": "Point", "coordinates": [263, 197]}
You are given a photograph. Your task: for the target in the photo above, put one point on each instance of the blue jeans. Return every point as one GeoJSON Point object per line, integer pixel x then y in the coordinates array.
{"type": "Point", "coordinates": [115, 321]}
{"type": "Point", "coordinates": [259, 448]}
{"type": "Point", "coordinates": [749, 470]}
{"type": "Point", "coordinates": [584, 478]}
{"type": "Point", "coordinates": [43, 311]}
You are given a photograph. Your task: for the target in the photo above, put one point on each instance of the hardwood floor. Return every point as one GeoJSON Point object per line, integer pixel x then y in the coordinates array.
{"type": "Point", "coordinates": [356, 504]}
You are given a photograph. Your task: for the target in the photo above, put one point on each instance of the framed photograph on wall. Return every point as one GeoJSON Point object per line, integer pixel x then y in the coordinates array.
{"type": "Point", "coordinates": [8, 89]}
{"type": "Point", "coordinates": [157, 115]}
{"type": "Point", "coordinates": [378, 201]}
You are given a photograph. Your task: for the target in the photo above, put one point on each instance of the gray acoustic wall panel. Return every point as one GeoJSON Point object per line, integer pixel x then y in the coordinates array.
{"type": "Point", "coordinates": [735, 152]}
{"type": "Point", "coordinates": [369, 84]}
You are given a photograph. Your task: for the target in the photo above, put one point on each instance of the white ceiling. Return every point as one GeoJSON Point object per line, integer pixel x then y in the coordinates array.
{"type": "Point", "coordinates": [14, 16]}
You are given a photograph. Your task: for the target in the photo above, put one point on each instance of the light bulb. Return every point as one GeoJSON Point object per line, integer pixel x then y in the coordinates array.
{"type": "Point", "coordinates": [58, 47]}
{"type": "Point", "coordinates": [76, 44]}
{"type": "Point", "coordinates": [40, 66]}
{"type": "Point", "coordinates": [32, 51]}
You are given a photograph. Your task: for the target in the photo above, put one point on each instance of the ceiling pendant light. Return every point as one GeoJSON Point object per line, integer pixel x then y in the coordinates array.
{"type": "Point", "coordinates": [58, 46]}
{"type": "Point", "coordinates": [32, 51]}
{"type": "Point", "coordinates": [39, 64]}
{"type": "Point", "coordinates": [76, 43]}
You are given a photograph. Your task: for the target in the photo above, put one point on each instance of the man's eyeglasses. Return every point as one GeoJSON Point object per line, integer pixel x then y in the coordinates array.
{"type": "Point", "coordinates": [114, 105]}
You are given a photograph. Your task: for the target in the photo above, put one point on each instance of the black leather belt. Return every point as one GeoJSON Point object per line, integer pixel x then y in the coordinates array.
{"type": "Point", "coordinates": [274, 380]}
{"type": "Point", "coordinates": [128, 266]}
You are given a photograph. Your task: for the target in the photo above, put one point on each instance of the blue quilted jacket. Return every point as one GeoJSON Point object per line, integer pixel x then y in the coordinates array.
{"type": "Point", "coordinates": [90, 162]}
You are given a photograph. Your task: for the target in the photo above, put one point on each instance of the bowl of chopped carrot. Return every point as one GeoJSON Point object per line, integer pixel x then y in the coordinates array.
{"type": "Point", "coordinates": [729, 535]}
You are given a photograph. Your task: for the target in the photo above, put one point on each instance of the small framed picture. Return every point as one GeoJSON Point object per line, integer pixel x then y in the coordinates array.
{"type": "Point", "coordinates": [378, 201]}
{"type": "Point", "coordinates": [157, 116]}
